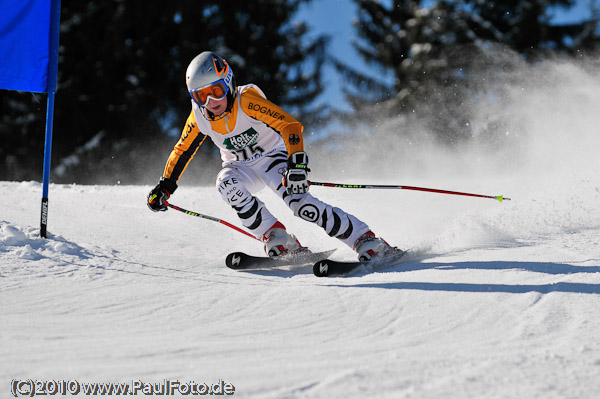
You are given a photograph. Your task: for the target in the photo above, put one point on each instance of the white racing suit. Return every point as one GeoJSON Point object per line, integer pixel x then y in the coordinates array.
{"type": "Point", "coordinates": [255, 139]}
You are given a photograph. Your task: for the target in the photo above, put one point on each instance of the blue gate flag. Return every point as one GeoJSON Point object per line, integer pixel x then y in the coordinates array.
{"type": "Point", "coordinates": [25, 45]}
{"type": "Point", "coordinates": [29, 34]}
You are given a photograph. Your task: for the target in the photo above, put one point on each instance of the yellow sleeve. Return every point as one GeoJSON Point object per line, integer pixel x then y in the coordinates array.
{"type": "Point", "coordinates": [191, 139]}
{"type": "Point", "coordinates": [257, 107]}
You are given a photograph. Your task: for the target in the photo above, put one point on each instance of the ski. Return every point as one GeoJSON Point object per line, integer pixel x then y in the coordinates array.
{"type": "Point", "coordinates": [328, 267]}
{"type": "Point", "coordinates": [241, 260]}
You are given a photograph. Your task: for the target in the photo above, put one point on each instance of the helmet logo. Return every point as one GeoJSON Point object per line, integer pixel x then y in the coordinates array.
{"type": "Point", "coordinates": [220, 65]}
{"type": "Point", "coordinates": [228, 77]}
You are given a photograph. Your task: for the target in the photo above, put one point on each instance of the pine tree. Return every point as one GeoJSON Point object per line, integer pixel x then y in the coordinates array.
{"type": "Point", "coordinates": [435, 51]}
{"type": "Point", "coordinates": [527, 28]}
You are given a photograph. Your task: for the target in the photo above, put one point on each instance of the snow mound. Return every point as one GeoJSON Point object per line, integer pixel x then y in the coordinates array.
{"type": "Point", "coordinates": [25, 243]}
{"type": "Point", "coordinates": [25, 254]}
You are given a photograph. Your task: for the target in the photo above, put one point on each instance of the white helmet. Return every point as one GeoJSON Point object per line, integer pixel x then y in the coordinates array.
{"type": "Point", "coordinates": [207, 69]}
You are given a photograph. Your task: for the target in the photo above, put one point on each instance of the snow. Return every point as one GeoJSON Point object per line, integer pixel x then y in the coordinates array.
{"type": "Point", "coordinates": [495, 300]}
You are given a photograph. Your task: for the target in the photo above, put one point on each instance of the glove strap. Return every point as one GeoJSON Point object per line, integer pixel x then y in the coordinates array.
{"type": "Point", "coordinates": [298, 160]}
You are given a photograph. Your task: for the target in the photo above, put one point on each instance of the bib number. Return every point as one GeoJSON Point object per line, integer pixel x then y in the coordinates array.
{"type": "Point", "coordinates": [249, 152]}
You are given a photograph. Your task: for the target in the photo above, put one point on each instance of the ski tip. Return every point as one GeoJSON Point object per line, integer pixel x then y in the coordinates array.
{"type": "Point", "coordinates": [321, 269]}
{"type": "Point", "coordinates": [234, 260]}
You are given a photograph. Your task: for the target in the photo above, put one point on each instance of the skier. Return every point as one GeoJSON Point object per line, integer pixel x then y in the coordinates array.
{"type": "Point", "coordinates": [260, 145]}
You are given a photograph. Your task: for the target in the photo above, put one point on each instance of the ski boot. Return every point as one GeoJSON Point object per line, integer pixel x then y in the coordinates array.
{"type": "Point", "coordinates": [279, 242]}
{"type": "Point", "coordinates": [368, 246]}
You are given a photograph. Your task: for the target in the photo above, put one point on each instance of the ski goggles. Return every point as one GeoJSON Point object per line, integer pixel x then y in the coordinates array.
{"type": "Point", "coordinates": [217, 91]}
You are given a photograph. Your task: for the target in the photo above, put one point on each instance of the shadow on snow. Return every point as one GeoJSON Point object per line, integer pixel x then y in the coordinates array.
{"type": "Point", "coordinates": [535, 267]}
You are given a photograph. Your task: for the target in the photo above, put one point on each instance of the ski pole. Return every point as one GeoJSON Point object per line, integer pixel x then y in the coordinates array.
{"type": "Point", "coordinates": [214, 219]}
{"type": "Point", "coordinates": [430, 190]}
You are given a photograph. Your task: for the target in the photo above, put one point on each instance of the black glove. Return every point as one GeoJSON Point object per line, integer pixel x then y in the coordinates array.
{"type": "Point", "coordinates": [157, 199]}
{"type": "Point", "coordinates": [295, 178]}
